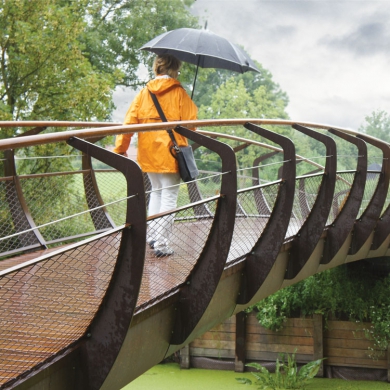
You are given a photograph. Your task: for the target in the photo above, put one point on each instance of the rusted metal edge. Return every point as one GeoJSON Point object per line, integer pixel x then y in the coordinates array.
{"type": "Point", "coordinates": [108, 329]}
{"type": "Point", "coordinates": [345, 220]}
{"type": "Point", "coordinates": [200, 286]}
{"type": "Point", "coordinates": [370, 217]}
{"type": "Point", "coordinates": [382, 229]}
{"type": "Point", "coordinates": [41, 369]}
{"type": "Point", "coordinates": [263, 255]}
{"type": "Point", "coordinates": [310, 232]}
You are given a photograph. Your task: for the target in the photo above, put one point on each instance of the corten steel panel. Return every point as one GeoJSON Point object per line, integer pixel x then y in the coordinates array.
{"type": "Point", "coordinates": [101, 219]}
{"type": "Point", "coordinates": [109, 328]}
{"type": "Point", "coordinates": [263, 255]}
{"type": "Point", "coordinates": [338, 232]}
{"type": "Point", "coordinates": [309, 234]}
{"type": "Point", "coordinates": [196, 293]}
{"type": "Point", "coordinates": [365, 225]}
{"type": "Point", "coordinates": [382, 229]}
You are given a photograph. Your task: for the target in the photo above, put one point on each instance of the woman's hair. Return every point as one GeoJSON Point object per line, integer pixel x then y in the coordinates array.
{"type": "Point", "coordinates": [166, 64]}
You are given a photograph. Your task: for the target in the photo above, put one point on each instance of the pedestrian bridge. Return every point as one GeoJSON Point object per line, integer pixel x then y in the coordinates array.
{"type": "Point", "coordinates": [84, 302]}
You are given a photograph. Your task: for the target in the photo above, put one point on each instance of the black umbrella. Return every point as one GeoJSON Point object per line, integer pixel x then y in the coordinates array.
{"type": "Point", "coordinates": [201, 48]}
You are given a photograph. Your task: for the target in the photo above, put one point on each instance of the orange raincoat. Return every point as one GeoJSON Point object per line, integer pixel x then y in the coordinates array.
{"type": "Point", "coordinates": [153, 146]}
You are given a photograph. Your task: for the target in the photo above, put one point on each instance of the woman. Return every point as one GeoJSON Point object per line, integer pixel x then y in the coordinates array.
{"type": "Point", "coordinates": [153, 154]}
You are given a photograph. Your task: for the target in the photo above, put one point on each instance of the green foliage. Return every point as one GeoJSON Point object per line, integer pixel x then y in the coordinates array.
{"type": "Point", "coordinates": [356, 291]}
{"type": "Point", "coordinates": [44, 74]}
{"type": "Point", "coordinates": [210, 80]}
{"type": "Point", "coordinates": [248, 95]}
{"type": "Point", "coordinates": [287, 375]}
{"type": "Point", "coordinates": [222, 94]}
{"type": "Point", "coordinates": [378, 125]}
{"type": "Point", "coordinates": [118, 28]}
{"type": "Point", "coordinates": [61, 60]}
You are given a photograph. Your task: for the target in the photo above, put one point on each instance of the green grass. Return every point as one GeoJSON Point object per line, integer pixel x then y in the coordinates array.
{"type": "Point", "coordinates": [171, 377]}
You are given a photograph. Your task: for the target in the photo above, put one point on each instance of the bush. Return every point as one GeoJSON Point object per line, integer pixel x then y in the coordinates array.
{"type": "Point", "coordinates": [356, 291]}
{"type": "Point", "coordinates": [287, 375]}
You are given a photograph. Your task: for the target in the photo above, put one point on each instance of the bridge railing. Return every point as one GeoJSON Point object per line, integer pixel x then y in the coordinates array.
{"type": "Point", "coordinates": [225, 216]}
{"type": "Point", "coordinates": [45, 312]}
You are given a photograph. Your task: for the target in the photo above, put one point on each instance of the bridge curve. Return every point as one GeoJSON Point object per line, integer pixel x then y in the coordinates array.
{"type": "Point", "coordinates": [86, 305]}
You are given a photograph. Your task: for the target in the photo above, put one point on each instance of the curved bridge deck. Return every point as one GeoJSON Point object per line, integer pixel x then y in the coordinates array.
{"type": "Point", "coordinates": [84, 301]}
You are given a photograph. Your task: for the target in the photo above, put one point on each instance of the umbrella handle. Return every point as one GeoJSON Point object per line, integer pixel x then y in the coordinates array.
{"type": "Point", "coordinates": [196, 74]}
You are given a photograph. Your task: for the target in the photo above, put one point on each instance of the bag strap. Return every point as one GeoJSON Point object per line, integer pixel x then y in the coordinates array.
{"type": "Point", "coordinates": [164, 119]}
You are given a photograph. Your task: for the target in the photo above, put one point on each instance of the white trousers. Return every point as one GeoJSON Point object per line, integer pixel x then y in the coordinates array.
{"type": "Point", "coordinates": [165, 189]}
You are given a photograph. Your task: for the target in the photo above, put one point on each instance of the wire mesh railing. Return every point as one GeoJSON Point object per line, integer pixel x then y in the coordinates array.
{"type": "Point", "coordinates": [344, 181]}
{"type": "Point", "coordinates": [306, 191]}
{"type": "Point", "coordinates": [13, 220]}
{"type": "Point", "coordinates": [48, 304]}
{"type": "Point", "coordinates": [186, 236]}
{"type": "Point", "coordinates": [67, 197]}
{"type": "Point", "coordinates": [255, 204]}
{"type": "Point", "coordinates": [369, 190]}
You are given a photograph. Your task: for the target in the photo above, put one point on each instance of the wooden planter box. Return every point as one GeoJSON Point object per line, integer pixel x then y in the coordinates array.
{"type": "Point", "coordinates": [242, 339]}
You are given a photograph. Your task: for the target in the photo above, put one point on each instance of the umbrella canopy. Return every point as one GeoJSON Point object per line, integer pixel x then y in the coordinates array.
{"type": "Point", "coordinates": [201, 48]}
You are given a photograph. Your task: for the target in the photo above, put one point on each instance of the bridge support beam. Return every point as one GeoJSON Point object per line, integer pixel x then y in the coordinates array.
{"type": "Point", "coordinates": [107, 332]}
{"type": "Point", "coordinates": [198, 290]}
{"type": "Point", "coordinates": [371, 215]}
{"type": "Point", "coordinates": [310, 233]}
{"type": "Point", "coordinates": [263, 255]}
{"type": "Point", "coordinates": [338, 232]}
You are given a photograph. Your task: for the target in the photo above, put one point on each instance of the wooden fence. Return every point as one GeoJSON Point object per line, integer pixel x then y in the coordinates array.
{"type": "Point", "coordinates": [241, 339]}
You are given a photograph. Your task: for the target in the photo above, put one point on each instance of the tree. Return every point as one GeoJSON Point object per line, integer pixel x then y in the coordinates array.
{"type": "Point", "coordinates": [378, 125]}
{"type": "Point", "coordinates": [44, 74]}
{"type": "Point", "coordinates": [248, 95]}
{"type": "Point", "coordinates": [62, 59]}
{"type": "Point", "coordinates": [210, 80]}
{"type": "Point", "coordinates": [356, 291]}
{"type": "Point", "coordinates": [118, 28]}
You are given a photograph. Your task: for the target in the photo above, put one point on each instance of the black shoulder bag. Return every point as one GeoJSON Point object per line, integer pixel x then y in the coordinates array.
{"type": "Point", "coordinates": [183, 154]}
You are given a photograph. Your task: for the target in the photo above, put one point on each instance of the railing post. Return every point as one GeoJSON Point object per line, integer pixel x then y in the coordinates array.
{"type": "Point", "coordinates": [239, 363]}
{"type": "Point", "coordinates": [318, 341]}
{"type": "Point", "coordinates": [388, 363]}
{"type": "Point", "coordinates": [185, 362]}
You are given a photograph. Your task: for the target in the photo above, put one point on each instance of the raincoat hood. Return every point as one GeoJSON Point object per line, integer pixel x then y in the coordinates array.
{"type": "Point", "coordinates": [162, 85]}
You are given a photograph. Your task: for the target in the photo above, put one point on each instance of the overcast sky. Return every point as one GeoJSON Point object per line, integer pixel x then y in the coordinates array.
{"type": "Point", "coordinates": [332, 58]}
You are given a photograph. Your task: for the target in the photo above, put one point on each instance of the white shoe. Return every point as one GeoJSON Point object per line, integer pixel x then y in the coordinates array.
{"type": "Point", "coordinates": [151, 243]}
{"type": "Point", "coordinates": [162, 251]}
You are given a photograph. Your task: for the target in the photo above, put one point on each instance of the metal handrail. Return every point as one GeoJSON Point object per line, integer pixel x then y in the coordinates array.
{"type": "Point", "coordinates": [116, 128]}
